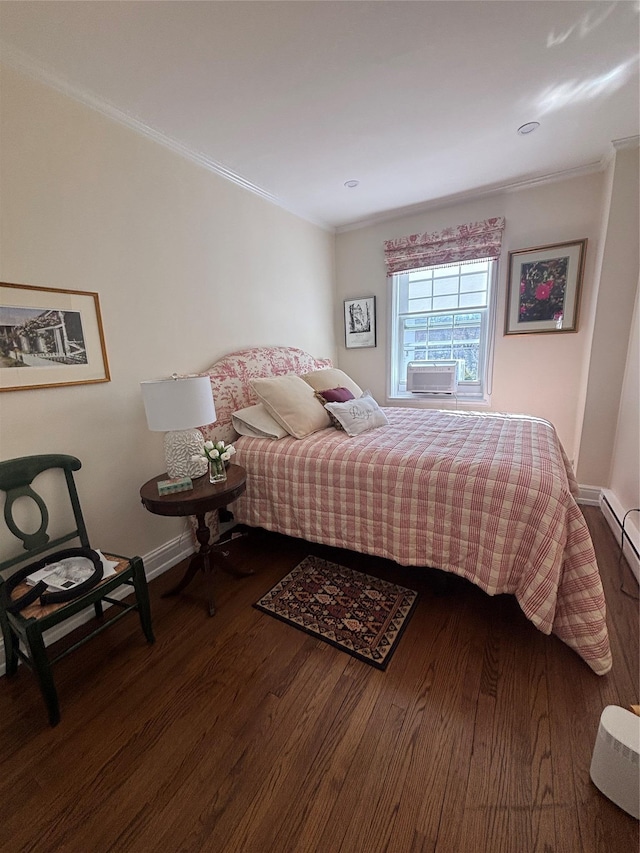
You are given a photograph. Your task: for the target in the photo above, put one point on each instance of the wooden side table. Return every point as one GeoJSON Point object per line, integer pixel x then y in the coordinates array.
{"type": "Point", "coordinates": [203, 498]}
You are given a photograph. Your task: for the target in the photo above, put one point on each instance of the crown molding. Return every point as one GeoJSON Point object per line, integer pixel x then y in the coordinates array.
{"type": "Point", "coordinates": [19, 61]}
{"type": "Point", "coordinates": [625, 142]}
{"type": "Point", "coordinates": [622, 144]}
{"type": "Point", "coordinates": [473, 195]}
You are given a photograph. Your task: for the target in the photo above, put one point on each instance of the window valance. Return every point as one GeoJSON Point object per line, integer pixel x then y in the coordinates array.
{"type": "Point", "coordinates": [450, 246]}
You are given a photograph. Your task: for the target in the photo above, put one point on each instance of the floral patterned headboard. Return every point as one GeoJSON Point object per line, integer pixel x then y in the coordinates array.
{"type": "Point", "coordinates": [231, 378]}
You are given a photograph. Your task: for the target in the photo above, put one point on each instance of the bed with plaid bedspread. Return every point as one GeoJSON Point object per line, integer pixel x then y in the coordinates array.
{"type": "Point", "coordinates": [489, 497]}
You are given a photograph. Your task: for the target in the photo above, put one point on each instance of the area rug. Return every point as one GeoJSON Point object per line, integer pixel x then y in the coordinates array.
{"type": "Point", "coordinates": [359, 614]}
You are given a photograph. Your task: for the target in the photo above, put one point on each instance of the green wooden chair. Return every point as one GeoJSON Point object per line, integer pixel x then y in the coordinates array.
{"type": "Point", "coordinates": [23, 631]}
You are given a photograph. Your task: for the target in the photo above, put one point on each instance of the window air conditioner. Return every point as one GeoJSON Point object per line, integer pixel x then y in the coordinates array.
{"type": "Point", "coordinates": [432, 377]}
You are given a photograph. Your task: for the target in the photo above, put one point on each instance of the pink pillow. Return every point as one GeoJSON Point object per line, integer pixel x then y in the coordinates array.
{"type": "Point", "coordinates": [335, 395]}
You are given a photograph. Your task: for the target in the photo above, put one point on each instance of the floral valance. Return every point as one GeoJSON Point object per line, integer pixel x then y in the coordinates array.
{"type": "Point", "coordinates": [463, 243]}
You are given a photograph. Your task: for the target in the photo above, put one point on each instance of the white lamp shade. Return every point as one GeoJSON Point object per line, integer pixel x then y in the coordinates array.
{"type": "Point", "coordinates": [178, 403]}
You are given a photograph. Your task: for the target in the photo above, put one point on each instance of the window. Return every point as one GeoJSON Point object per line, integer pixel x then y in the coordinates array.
{"type": "Point", "coordinates": [443, 313]}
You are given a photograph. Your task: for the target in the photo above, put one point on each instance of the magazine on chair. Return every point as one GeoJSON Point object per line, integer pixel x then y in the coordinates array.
{"type": "Point", "coordinates": [67, 573]}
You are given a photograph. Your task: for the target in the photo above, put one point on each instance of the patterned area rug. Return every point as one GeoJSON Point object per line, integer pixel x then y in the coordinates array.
{"type": "Point", "coordinates": [357, 613]}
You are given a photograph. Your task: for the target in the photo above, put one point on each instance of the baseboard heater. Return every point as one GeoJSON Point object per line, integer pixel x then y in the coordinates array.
{"type": "Point", "coordinates": [613, 515]}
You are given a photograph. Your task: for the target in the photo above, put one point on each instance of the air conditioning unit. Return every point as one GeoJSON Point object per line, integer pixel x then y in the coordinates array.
{"type": "Point", "coordinates": [432, 377]}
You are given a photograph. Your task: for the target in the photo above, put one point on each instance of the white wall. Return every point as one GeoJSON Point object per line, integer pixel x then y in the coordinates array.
{"type": "Point", "coordinates": [624, 482]}
{"type": "Point", "coordinates": [188, 267]}
{"type": "Point", "coordinates": [537, 374]}
{"type": "Point", "coordinates": [625, 467]}
{"type": "Point", "coordinates": [617, 289]}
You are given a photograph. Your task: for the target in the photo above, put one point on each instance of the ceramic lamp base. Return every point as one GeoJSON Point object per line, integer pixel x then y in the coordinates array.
{"type": "Point", "coordinates": [179, 447]}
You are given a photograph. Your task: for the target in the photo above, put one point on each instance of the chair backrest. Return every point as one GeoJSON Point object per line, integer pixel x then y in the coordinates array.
{"type": "Point", "coordinates": [16, 477]}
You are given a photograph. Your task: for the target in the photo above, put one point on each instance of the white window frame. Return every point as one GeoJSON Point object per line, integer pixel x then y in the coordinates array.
{"type": "Point", "coordinates": [476, 392]}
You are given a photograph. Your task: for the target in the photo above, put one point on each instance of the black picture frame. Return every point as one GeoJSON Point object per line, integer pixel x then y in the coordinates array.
{"type": "Point", "coordinates": [360, 322]}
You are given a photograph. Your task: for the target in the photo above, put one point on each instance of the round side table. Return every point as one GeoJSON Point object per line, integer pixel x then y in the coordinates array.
{"type": "Point", "coordinates": [203, 498]}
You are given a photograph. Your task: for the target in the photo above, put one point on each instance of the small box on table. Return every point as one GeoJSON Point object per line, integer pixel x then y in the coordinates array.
{"type": "Point", "coordinates": [177, 484]}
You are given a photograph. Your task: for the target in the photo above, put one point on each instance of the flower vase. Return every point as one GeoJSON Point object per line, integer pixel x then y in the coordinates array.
{"type": "Point", "coordinates": [217, 471]}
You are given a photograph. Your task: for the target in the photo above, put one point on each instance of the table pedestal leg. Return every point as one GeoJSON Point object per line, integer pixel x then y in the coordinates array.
{"type": "Point", "coordinates": [200, 561]}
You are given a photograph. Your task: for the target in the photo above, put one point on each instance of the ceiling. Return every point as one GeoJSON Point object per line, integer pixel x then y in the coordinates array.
{"type": "Point", "coordinates": [418, 101]}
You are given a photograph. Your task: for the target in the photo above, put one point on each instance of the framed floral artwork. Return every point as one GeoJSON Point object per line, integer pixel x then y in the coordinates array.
{"type": "Point", "coordinates": [543, 290]}
{"type": "Point", "coordinates": [50, 337]}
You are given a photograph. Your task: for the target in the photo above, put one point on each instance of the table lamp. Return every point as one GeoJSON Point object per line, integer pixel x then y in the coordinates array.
{"type": "Point", "coordinates": [176, 406]}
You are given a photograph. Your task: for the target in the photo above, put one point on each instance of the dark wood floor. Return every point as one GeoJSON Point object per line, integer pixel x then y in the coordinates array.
{"type": "Point", "coordinates": [240, 733]}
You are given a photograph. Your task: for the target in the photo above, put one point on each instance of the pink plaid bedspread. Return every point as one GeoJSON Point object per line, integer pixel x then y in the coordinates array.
{"type": "Point", "coordinates": [489, 497]}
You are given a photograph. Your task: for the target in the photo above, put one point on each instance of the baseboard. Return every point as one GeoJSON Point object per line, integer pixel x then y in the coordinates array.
{"type": "Point", "coordinates": [589, 495]}
{"type": "Point", "coordinates": [615, 515]}
{"type": "Point", "coordinates": [161, 559]}
{"type": "Point", "coordinates": [155, 563]}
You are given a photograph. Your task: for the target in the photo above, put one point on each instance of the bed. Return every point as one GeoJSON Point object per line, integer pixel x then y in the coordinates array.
{"type": "Point", "coordinates": [489, 497]}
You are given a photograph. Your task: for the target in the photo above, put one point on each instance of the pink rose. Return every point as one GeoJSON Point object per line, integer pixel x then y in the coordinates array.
{"type": "Point", "coordinates": [543, 291]}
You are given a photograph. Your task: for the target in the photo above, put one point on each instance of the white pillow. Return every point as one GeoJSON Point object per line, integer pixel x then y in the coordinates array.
{"type": "Point", "coordinates": [256, 422]}
{"type": "Point", "coordinates": [292, 403]}
{"type": "Point", "coordinates": [357, 416]}
{"type": "Point", "coordinates": [331, 377]}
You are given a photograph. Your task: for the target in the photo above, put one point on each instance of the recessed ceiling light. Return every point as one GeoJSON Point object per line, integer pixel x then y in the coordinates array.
{"type": "Point", "coordinates": [351, 184]}
{"type": "Point", "coordinates": [529, 127]}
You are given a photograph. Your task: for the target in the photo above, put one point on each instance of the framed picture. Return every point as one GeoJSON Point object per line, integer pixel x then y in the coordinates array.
{"type": "Point", "coordinates": [50, 337]}
{"type": "Point", "coordinates": [543, 291]}
{"type": "Point", "coordinates": [360, 322]}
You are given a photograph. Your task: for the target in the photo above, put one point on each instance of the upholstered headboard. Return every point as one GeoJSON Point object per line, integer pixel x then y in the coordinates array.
{"type": "Point", "coordinates": [231, 378]}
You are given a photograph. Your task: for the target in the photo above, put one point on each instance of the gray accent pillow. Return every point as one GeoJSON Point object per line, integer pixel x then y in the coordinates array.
{"type": "Point", "coordinates": [358, 416]}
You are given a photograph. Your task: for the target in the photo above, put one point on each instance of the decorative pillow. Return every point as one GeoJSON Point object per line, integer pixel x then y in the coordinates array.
{"type": "Point", "coordinates": [292, 403]}
{"type": "Point", "coordinates": [334, 395]}
{"type": "Point", "coordinates": [357, 416]}
{"type": "Point", "coordinates": [256, 422]}
{"type": "Point", "coordinates": [331, 377]}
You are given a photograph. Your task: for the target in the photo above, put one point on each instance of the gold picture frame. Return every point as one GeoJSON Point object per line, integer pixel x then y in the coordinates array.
{"type": "Point", "coordinates": [50, 338]}
{"type": "Point", "coordinates": [543, 290]}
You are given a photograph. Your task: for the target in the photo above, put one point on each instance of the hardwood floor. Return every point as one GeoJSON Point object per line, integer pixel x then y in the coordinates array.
{"type": "Point", "coordinates": [240, 733]}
